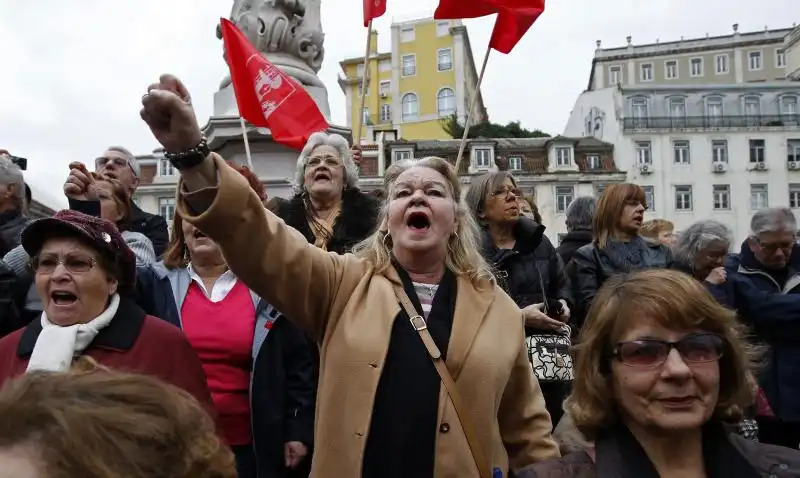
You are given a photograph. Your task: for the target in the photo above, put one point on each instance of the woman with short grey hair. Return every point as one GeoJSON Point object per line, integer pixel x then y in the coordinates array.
{"type": "Point", "coordinates": [701, 248]}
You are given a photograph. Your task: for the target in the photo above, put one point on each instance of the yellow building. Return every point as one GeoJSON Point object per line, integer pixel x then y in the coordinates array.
{"type": "Point", "coordinates": [428, 75]}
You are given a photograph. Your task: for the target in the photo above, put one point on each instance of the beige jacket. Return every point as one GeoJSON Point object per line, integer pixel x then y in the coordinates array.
{"type": "Point", "coordinates": [350, 308]}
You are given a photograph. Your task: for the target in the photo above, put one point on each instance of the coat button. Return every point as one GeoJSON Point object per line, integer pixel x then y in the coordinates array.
{"type": "Point", "coordinates": [444, 428]}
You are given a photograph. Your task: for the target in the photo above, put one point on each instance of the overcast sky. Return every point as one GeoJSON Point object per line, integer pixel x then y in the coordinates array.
{"type": "Point", "coordinates": [72, 72]}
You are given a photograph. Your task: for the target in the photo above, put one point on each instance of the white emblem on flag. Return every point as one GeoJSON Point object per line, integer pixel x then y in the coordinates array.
{"type": "Point", "coordinates": [272, 89]}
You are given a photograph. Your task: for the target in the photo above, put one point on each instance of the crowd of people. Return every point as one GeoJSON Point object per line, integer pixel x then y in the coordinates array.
{"type": "Point", "coordinates": [418, 331]}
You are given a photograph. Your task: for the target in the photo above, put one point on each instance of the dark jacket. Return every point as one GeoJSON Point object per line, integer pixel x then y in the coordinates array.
{"type": "Point", "coordinates": [10, 315]}
{"type": "Point", "coordinates": [619, 455]}
{"type": "Point", "coordinates": [357, 220]}
{"type": "Point", "coordinates": [151, 225]}
{"type": "Point", "coordinates": [570, 244]}
{"type": "Point", "coordinates": [594, 266]}
{"type": "Point", "coordinates": [777, 328]}
{"type": "Point", "coordinates": [532, 271]}
{"type": "Point", "coordinates": [12, 224]}
{"type": "Point", "coordinates": [282, 389]}
{"type": "Point", "coordinates": [133, 342]}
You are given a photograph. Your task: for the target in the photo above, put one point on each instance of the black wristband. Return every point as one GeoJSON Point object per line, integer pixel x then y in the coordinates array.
{"type": "Point", "coordinates": [190, 158]}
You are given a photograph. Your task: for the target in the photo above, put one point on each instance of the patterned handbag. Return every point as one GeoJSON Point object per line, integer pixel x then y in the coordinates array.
{"type": "Point", "coordinates": [551, 355]}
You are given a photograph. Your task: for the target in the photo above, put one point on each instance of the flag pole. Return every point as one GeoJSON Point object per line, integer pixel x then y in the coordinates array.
{"type": "Point", "coordinates": [472, 108]}
{"type": "Point", "coordinates": [364, 84]}
{"type": "Point", "coordinates": [246, 144]}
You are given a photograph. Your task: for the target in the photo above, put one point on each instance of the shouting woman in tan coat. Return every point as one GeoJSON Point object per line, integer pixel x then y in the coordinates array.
{"type": "Point", "coordinates": [387, 404]}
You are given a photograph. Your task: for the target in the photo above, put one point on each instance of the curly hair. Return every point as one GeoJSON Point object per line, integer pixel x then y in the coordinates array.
{"type": "Point", "coordinates": [102, 424]}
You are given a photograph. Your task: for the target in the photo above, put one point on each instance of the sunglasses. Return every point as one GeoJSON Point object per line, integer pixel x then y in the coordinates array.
{"type": "Point", "coordinates": [652, 353]}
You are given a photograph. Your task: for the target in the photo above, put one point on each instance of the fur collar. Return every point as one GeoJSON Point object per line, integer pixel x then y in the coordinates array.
{"type": "Point", "coordinates": [358, 219]}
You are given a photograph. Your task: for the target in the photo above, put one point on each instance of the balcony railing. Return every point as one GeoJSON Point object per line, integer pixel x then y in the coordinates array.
{"type": "Point", "coordinates": [711, 122]}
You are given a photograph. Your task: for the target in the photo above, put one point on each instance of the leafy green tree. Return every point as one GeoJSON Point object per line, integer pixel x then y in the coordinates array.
{"type": "Point", "coordinates": [487, 129]}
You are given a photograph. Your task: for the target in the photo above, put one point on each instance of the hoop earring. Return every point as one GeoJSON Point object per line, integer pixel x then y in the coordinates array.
{"type": "Point", "coordinates": [387, 236]}
{"type": "Point", "coordinates": [450, 242]}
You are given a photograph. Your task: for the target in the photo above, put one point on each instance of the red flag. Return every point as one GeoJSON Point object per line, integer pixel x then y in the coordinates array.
{"type": "Point", "coordinates": [268, 97]}
{"type": "Point", "coordinates": [514, 17]}
{"type": "Point", "coordinates": [373, 9]}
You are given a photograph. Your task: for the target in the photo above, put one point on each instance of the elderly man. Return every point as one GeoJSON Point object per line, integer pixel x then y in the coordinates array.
{"type": "Point", "coordinates": [118, 163]}
{"type": "Point", "coordinates": [770, 259]}
{"type": "Point", "coordinates": [12, 203]}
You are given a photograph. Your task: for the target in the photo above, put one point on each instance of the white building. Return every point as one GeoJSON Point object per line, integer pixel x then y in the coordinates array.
{"type": "Point", "coordinates": [717, 138]}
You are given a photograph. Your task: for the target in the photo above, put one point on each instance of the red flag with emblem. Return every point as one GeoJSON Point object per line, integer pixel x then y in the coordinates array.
{"type": "Point", "coordinates": [373, 9]}
{"type": "Point", "coordinates": [268, 97]}
{"type": "Point", "coordinates": [514, 17]}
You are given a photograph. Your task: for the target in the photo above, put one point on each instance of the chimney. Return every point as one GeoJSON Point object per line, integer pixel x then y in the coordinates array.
{"type": "Point", "coordinates": [598, 43]}
{"type": "Point", "coordinates": [628, 39]}
{"type": "Point", "coordinates": [735, 28]}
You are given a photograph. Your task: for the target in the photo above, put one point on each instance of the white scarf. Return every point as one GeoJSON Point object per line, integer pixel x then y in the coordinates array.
{"type": "Point", "coordinates": [57, 345]}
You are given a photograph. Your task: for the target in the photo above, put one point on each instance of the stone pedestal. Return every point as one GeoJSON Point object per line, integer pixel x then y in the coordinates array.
{"type": "Point", "coordinates": [275, 164]}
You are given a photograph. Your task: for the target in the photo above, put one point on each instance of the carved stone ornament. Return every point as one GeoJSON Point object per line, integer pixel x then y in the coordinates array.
{"type": "Point", "coordinates": [287, 32]}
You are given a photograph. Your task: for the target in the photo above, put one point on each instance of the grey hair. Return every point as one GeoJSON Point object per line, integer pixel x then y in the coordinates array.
{"type": "Point", "coordinates": [699, 236]}
{"type": "Point", "coordinates": [774, 219]}
{"type": "Point", "coordinates": [580, 214]}
{"type": "Point", "coordinates": [10, 174]}
{"type": "Point", "coordinates": [480, 187]}
{"type": "Point", "coordinates": [132, 161]}
{"type": "Point", "coordinates": [340, 144]}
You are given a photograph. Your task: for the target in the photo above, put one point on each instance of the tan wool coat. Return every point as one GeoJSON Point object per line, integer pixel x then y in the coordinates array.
{"type": "Point", "coordinates": [350, 308]}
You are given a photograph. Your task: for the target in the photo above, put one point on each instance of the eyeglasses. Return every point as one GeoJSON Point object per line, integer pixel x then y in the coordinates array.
{"type": "Point", "coordinates": [75, 263]}
{"type": "Point", "coordinates": [773, 247]}
{"type": "Point", "coordinates": [121, 162]}
{"type": "Point", "coordinates": [652, 353]}
{"type": "Point", "coordinates": [506, 192]}
{"type": "Point", "coordinates": [328, 159]}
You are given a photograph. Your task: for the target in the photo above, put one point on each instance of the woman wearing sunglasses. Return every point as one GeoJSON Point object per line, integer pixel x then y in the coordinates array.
{"type": "Point", "coordinates": [660, 372]}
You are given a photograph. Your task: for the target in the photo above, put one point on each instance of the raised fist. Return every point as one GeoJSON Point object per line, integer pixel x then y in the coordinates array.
{"type": "Point", "coordinates": [80, 183]}
{"type": "Point", "coordinates": [357, 155]}
{"type": "Point", "coordinates": [167, 110]}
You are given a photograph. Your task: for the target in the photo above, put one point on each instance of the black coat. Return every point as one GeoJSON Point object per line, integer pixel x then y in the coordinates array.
{"type": "Point", "coordinates": [570, 244]}
{"type": "Point", "coordinates": [594, 266]}
{"type": "Point", "coordinates": [357, 220]}
{"type": "Point", "coordinates": [10, 315]}
{"type": "Point", "coordinates": [153, 226]}
{"type": "Point", "coordinates": [532, 271]}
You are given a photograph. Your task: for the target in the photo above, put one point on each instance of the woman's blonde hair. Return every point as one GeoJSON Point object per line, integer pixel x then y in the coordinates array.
{"type": "Point", "coordinates": [609, 210]}
{"type": "Point", "coordinates": [102, 424]}
{"type": "Point", "coordinates": [654, 227]}
{"type": "Point", "coordinates": [463, 256]}
{"type": "Point", "coordinates": [675, 300]}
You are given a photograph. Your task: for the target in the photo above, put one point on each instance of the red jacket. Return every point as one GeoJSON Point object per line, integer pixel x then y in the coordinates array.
{"type": "Point", "coordinates": [132, 342]}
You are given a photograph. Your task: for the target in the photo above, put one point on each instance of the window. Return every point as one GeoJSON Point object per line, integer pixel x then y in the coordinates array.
{"type": "Point", "coordinates": [483, 157]}
{"type": "Point", "coordinates": [677, 110]}
{"type": "Point", "coordinates": [646, 72]}
{"type": "Point", "coordinates": [681, 150]}
{"type": "Point", "coordinates": [402, 155]}
{"type": "Point", "coordinates": [407, 34]}
{"type": "Point", "coordinates": [793, 149]}
{"type": "Point", "coordinates": [671, 69]}
{"type": "Point", "coordinates": [639, 112]}
{"type": "Point", "coordinates": [563, 156]}
{"type": "Point", "coordinates": [614, 75]}
{"type": "Point", "coordinates": [650, 197]}
{"type": "Point", "coordinates": [643, 153]}
{"type": "Point", "coordinates": [593, 161]}
{"type": "Point", "coordinates": [599, 190]}
{"type": "Point", "coordinates": [756, 150]}
{"type": "Point", "coordinates": [789, 105]}
{"type": "Point", "coordinates": [719, 151]}
{"type": "Point", "coordinates": [780, 58]}
{"type": "Point", "coordinates": [410, 107]}
{"type": "Point", "coordinates": [365, 116]}
{"type": "Point", "coordinates": [446, 102]}
{"type": "Point", "coordinates": [359, 89]}
{"type": "Point", "coordinates": [165, 168]}
{"type": "Point", "coordinates": [385, 66]}
{"type": "Point", "coordinates": [683, 198]}
{"type": "Point", "coordinates": [722, 197]}
{"type": "Point", "coordinates": [721, 63]}
{"type": "Point", "coordinates": [445, 61]}
{"type": "Point", "coordinates": [386, 113]}
{"type": "Point", "coordinates": [759, 197]}
{"type": "Point", "coordinates": [442, 28]}
{"type": "Point", "coordinates": [696, 65]}
{"type": "Point", "coordinates": [166, 208]}
{"type": "Point", "coordinates": [564, 197]}
{"type": "Point", "coordinates": [714, 110]}
{"type": "Point", "coordinates": [754, 60]}
{"type": "Point", "coordinates": [409, 65]}
{"type": "Point", "coordinates": [384, 87]}
{"type": "Point", "coordinates": [515, 163]}
{"type": "Point", "coordinates": [794, 196]}
{"type": "Point", "coordinates": [752, 106]}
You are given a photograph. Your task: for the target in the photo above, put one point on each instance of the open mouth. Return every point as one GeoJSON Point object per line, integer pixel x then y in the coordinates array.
{"type": "Point", "coordinates": [63, 297]}
{"type": "Point", "coordinates": [322, 176]}
{"type": "Point", "coordinates": [418, 221]}
{"type": "Point", "coordinates": [198, 235]}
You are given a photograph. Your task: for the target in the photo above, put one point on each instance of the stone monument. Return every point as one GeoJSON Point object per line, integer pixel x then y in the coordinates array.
{"type": "Point", "coordinates": [289, 35]}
